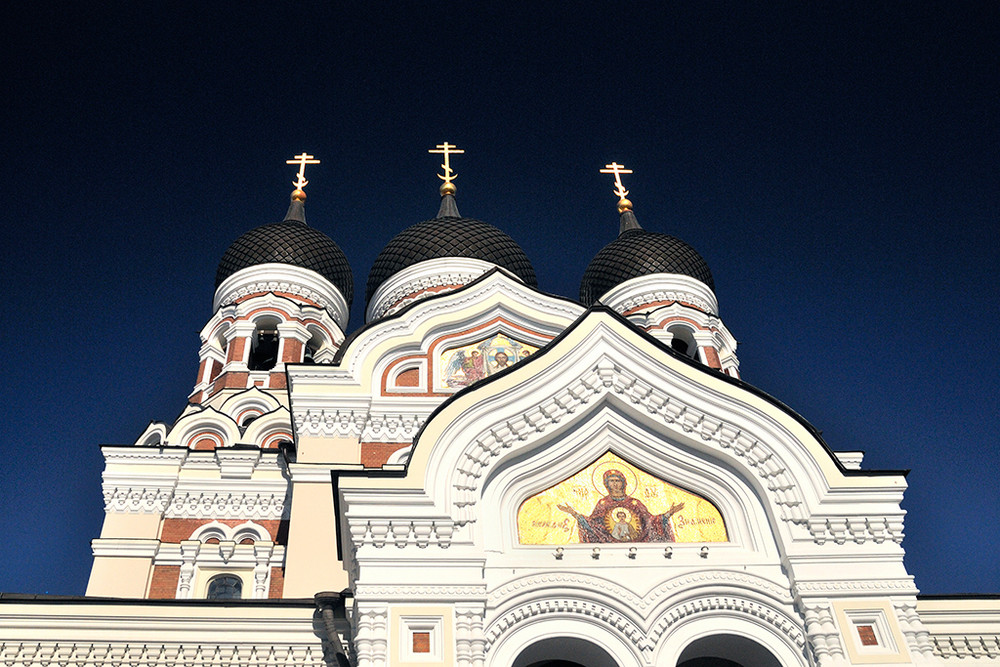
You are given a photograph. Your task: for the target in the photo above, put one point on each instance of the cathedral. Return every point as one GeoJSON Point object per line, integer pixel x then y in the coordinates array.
{"type": "Point", "coordinates": [487, 475]}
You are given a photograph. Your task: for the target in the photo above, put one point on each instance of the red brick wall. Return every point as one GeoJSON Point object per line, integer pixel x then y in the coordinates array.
{"type": "Point", "coordinates": [236, 347]}
{"type": "Point", "coordinates": [374, 454]}
{"type": "Point", "coordinates": [712, 357]}
{"type": "Point", "coordinates": [175, 530]}
{"type": "Point", "coordinates": [163, 585]}
{"type": "Point", "coordinates": [292, 352]}
{"type": "Point", "coordinates": [410, 378]}
{"type": "Point", "coordinates": [277, 582]}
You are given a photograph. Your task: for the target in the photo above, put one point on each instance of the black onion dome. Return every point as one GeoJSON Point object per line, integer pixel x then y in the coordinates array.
{"type": "Point", "coordinates": [290, 242]}
{"type": "Point", "coordinates": [637, 252]}
{"type": "Point", "coordinates": [449, 236]}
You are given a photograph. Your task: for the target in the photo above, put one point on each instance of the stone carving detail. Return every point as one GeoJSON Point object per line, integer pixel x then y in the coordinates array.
{"type": "Point", "coordinates": [891, 587]}
{"type": "Point", "coordinates": [625, 626]}
{"type": "Point", "coordinates": [228, 505]}
{"type": "Point", "coordinates": [628, 629]}
{"type": "Point", "coordinates": [391, 428]}
{"type": "Point", "coordinates": [652, 598]}
{"type": "Point", "coordinates": [371, 628]}
{"type": "Point", "coordinates": [412, 290]}
{"type": "Point", "coordinates": [43, 654]}
{"type": "Point", "coordinates": [470, 641]}
{"type": "Point", "coordinates": [409, 593]}
{"type": "Point", "coordinates": [788, 627]}
{"type": "Point", "coordinates": [274, 286]}
{"type": "Point", "coordinates": [824, 636]}
{"type": "Point", "coordinates": [608, 377]}
{"type": "Point", "coordinates": [973, 647]}
{"type": "Point", "coordinates": [655, 296]}
{"type": "Point", "coordinates": [150, 500]}
{"type": "Point", "coordinates": [359, 424]}
{"type": "Point", "coordinates": [918, 639]}
{"type": "Point", "coordinates": [420, 533]}
{"type": "Point", "coordinates": [856, 529]}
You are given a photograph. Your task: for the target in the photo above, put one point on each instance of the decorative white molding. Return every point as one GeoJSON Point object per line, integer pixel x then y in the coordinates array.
{"type": "Point", "coordinates": [423, 593]}
{"type": "Point", "coordinates": [604, 378]}
{"type": "Point", "coordinates": [918, 638]}
{"type": "Point", "coordinates": [966, 647]}
{"type": "Point", "coordinates": [856, 587]}
{"type": "Point", "coordinates": [331, 423]}
{"type": "Point", "coordinates": [130, 548]}
{"type": "Point", "coordinates": [659, 287]}
{"type": "Point", "coordinates": [470, 638]}
{"type": "Point", "coordinates": [371, 631]}
{"type": "Point", "coordinates": [364, 425]}
{"type": "Point", "coordinates": [628, 628]}
{"type": "Point", "coordinates": [275, 277]}
{"type": "Point", "coordinates": [646, 602]}
{"type": "Point", "coordinates": [402, 533]}
{"type": "Point", "coordinates": [850, 460]}
{"type": "Point", "coordinates": [228, 505]}
{"type": "Point", "coordinates": [823, 633]}
{"type": "Point", "coordinates": [44, 654]}
{"type": "Point", "coordinates": [391, 296]}
{"type": "Point", "coordinates": [137, 499]}
{"type": "Point", "coordinates": [857, 529]}
{"type": "Point", "coordinates": [237, 463]}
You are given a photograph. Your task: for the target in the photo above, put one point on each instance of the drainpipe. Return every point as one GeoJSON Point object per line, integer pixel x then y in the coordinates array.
{"type": "Point", "coordinates": [326, 604]}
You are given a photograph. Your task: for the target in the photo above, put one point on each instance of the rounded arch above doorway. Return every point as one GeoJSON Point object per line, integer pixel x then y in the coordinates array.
{"type": "Point", "coordinates": [564, 652]}
{"type": "Point", "coordinates": [724, 650]}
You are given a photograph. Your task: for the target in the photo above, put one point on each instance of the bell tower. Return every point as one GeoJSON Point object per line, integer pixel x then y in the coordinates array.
{"type": "Point", "coordinates": [200, 508]}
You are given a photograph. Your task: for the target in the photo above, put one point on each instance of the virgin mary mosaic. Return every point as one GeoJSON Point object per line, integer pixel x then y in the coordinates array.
{"type": "Point", "coordinates": [611, 501]}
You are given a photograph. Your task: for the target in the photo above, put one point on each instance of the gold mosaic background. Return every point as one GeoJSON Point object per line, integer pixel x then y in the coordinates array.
{"type": "Point", "coordinates": [540, 521]}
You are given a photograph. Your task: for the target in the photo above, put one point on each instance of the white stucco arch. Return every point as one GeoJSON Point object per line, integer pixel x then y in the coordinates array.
{"type": "Point", "coordinates": [614, 425]}
{"type": "Point", "coordinates": [728, 622]}
{"type": "Point", "coordinates": [507, 646]}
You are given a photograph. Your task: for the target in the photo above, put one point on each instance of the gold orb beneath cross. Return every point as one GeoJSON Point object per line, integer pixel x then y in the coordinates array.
{"type": "Point", "coordinates": [298, 195]}
{"type": "Point", "coordinates": [447, 189]}
{"type": "Point", "coordinates": [624, 205]}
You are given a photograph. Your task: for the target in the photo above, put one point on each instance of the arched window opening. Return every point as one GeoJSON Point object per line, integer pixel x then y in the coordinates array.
{"type": "Point", "coordinates": [225, 587]}
{"type": "Point", "coordinates": [309, 356]}
{"type": "Point", "coordinates": [263, 350]}
{"type": "Point", "coordinates": [726, 651]}
{"type": "Point", "coordinates": [683, 342]}
{"type": "Point", "coordinates": [313, 346]}
{"type": "Point", "coordinates": [564, 652]}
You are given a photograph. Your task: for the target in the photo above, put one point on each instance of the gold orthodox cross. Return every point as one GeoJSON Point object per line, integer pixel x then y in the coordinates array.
{"type": "Point", "coordinates": [617, 170]}
{"type": "Point", "coordinates": [447, 149]}
{"type": "Point", "coordinates": [302, 160]}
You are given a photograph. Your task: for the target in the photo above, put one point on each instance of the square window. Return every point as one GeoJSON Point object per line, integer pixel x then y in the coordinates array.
{"type": "Point", "coordinates": [421, 639]}
{"type": "Point", "coordinates": [867, 635]}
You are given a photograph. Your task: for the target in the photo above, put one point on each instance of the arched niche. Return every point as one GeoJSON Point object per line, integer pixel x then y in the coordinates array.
{"type": "Point", "coordinates": [613, 426]}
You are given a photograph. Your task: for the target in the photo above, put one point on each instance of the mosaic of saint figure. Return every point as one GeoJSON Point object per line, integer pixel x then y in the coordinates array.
{"type": "Point", "coordinates": [618, 517]}
{"type": "Point", "coordinates": [470, 363]}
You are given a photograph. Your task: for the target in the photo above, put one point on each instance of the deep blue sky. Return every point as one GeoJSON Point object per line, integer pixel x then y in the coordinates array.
{"type": "Point", "coordinates": [837, 167]}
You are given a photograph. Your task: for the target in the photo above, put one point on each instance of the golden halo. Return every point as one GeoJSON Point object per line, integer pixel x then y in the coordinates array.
{"type": "Point", "coordinates": [597, 477]}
